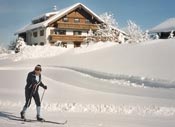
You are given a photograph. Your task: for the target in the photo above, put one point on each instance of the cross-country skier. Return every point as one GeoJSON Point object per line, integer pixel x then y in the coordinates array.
{"type": "Point", "coordinates": [31, 90]}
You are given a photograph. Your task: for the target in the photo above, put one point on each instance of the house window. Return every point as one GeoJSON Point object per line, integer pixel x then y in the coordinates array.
{"type": "Point", "coordinates": [76, 20]}
{"type": "Point", "coordinates": [41, 43]}
{"type": "Point", "coordinates": [60, 32]}
{"type": "Point", "coordinates": [41, 32]}
{"type": "Point", "coordinates": [65, 19]}
{"type": "Point", "coordinates": [35, 34]}
{"type": "Point", "coordinates": [87, 21]}
{"type": "Point", "coordinates": [77, 32]}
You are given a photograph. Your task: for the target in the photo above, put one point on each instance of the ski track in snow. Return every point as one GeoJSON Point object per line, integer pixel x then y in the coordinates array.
{"type": "Point", "coordinates": [123, 80]}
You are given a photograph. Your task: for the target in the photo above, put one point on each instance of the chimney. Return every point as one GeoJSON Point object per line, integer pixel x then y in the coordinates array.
{"type": "Point", "coordinates": [54, 8]}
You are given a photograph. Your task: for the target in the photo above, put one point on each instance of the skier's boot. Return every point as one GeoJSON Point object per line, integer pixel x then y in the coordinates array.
{"type": "Point", "coordinates": [22, 115]}
{"type": "Point", "coordinates": [39, 118]}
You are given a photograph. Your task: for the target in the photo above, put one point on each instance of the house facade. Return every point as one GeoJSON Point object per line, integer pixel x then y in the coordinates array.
{"type": "Point", "coordinates": [69, 26]}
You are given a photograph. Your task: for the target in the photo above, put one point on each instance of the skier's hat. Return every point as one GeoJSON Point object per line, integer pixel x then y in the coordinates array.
{"type": "Point", "coordinates": [38, 67]}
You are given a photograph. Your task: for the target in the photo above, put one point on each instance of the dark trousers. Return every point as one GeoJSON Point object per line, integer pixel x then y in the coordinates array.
{"type": "Point", "coordinates": [29, 95]}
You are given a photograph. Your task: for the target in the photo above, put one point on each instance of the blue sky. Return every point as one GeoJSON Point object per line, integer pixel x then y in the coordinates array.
{"type": "Point", "coordinates": [146, 13]}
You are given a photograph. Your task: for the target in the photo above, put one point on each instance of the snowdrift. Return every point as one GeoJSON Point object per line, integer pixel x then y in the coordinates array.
{"type": "Point", "coordinates": [34, 52]}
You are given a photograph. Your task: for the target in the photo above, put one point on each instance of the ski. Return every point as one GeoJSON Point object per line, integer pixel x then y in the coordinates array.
{"type": "Point", "coordinates": [52, 122]}
{"type": "Point", "coordinates": [43, 121]}
{"type": "Point", "coordinates": [19, 119]}
{"type": "Point", "coordinates": [47, 121]}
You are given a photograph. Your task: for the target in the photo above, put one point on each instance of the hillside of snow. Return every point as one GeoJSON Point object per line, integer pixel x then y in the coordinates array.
{"type": "Point", "coordinates": [100, 85]}
{"type": "Point", "coordinates": [153, 59]}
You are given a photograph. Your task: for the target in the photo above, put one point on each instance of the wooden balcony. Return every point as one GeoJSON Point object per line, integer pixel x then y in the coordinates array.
{"type": "Point", "coordinates": [77, 26]}
{"type": "Point", "coordinates": [66, 38]}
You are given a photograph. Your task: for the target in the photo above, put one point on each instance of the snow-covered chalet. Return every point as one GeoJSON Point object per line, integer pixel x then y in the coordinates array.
{"type": "Point", "coordinates": [164, 29]}
{"type": "Point", "coordinates": [69, 26]}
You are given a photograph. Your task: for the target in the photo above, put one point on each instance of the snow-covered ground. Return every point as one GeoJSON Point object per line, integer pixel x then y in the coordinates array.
{"type": "Point", "coordinates": [105, 85]}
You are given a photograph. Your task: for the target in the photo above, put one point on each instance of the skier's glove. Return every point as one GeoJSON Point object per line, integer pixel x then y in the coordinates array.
{"type": "Point", "coordinates": [45, 87]}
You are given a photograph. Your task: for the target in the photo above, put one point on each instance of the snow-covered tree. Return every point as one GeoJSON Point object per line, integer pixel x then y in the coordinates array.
{"type": "Point", "coordinates": [109, 19]}
{"type": "Point", "coordinates": [135, 33]}
{"type": "Point", "coordinates": [107, 30]}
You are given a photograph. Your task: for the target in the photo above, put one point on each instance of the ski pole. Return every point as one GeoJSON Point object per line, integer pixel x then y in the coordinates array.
{"type": "Point", "coordinates": [43, 95]}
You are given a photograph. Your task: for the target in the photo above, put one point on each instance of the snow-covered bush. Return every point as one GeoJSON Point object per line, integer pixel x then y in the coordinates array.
{"type": "Point", "coordinates": [20, 44]}
{"type": "Point", "coordinates": [17, 45]}
{"type": "Point", "coordinates": [121, 38]}
{"type": "Point", "coordinates": [3, 50]}
{"type": "Point", "coordinates": [12, 45]}
{"type": "Point", "coordinates": [33, 52]}
{"type": "Point", "coordinates": [57, 43]}
{"type": "Point", "coordinates": [171, 34]}
{"type": "Point", "coordinates": [89, 38]}
{"type": "Point", "coordinates": [154, 36]}
{"type": "Point", "coordinates": [146, 35]}
{"type": "Point", "coordinates": [135, 33]}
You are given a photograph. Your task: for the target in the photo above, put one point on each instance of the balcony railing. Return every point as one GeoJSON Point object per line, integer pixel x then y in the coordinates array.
{"type": "Point", "coordinates": [67, 38]}
{"type": "Point", "coordinates": [77, 26]}
{"type": "Point", "coordinates": [76, 38]}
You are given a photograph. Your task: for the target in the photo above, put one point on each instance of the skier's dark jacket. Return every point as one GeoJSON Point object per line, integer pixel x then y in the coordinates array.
{"type": "Point", "coordinates": [31, 81]}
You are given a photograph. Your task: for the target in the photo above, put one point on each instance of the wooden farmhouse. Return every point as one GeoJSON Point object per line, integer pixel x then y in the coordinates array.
{"type": "Point", "coordinates": [70, 26]}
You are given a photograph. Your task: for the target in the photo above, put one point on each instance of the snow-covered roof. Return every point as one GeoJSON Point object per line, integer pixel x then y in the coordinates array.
{"type": "Point", "coordinates": [58, 14]}
{"type": "Point", "coordinates": [166, 26]}
{"type": "Point", "coordinates": [46, 15]}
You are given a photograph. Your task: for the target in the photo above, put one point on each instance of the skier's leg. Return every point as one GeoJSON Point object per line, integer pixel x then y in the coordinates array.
{"type": "Point", "coordinates": [38, 110]}
{"type": "Point", "coordinates": [27, 103]}
{"type": "Point", "coordinates": [38, 106]}
{"type": "Point", "coordinates": [24, 109]}
{"type": "Point", "coordinates": [28, 95]}
{"type": "Point", "coordinates": [22, 113]}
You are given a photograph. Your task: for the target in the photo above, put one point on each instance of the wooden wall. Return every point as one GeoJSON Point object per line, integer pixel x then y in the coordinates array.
{"type": "Point", "coordinates": [78, 13]}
